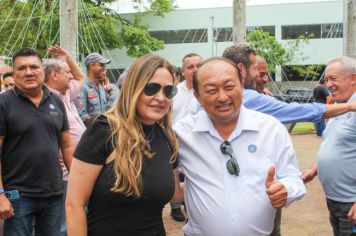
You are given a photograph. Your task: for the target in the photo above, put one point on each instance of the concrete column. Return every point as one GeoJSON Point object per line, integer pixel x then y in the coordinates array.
{"type": "Point", "coordinates": [69, 26]}
{"type": "Point", "coordinates": [239, 21]}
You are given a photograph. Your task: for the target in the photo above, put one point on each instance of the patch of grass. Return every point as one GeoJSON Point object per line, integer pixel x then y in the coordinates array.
{"type": "Point", "coordinates": [303, 128]}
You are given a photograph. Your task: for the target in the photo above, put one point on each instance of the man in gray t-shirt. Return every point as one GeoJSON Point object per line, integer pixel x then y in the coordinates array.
{"type": "Point", "coordinates": [336, 163]}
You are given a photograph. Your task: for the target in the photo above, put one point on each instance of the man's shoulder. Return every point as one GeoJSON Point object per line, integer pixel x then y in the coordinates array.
{"type": "Point", "coordinates": [188, 122]}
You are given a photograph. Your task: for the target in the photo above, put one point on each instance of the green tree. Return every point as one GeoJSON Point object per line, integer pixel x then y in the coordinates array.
{"type": "Point", "coordinates": [276, 53]}
{"type": "Point", "coordinates": [35, 23]}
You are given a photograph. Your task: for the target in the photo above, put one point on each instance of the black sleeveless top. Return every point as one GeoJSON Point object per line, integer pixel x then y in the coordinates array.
{"type": "Point", "coordinates": [114, 213]}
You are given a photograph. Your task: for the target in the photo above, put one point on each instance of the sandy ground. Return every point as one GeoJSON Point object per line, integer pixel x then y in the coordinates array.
{"type": "Point", "coordinates": [307, 217]}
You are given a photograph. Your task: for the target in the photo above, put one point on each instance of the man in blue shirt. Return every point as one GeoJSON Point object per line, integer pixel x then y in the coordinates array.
{"type": "Point", "coordinates": [94, 97]}
{"type": "Point", "coordinates": [336, 162]}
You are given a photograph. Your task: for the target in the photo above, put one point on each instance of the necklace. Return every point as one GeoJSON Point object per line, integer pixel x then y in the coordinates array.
{"type": "Point", "coordinates": [151, 134]}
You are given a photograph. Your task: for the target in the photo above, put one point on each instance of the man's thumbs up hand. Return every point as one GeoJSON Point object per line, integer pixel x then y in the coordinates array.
{"type": "Point", "coordinates": [275, 190]}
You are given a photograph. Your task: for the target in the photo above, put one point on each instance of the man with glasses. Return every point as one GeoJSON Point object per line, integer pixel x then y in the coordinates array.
{"type": "Point", "coordinates": [336, 160]}
{"type": "Point", "coordinates": [239, 164]}
{"type": "Point", "coordinates": [94, 99]}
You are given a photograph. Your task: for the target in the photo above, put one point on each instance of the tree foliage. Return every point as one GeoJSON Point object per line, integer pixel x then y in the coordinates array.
{"type": "Point", "coordinates": [276, 53]}
{"type": "Point", "coordinates": [35, 23]}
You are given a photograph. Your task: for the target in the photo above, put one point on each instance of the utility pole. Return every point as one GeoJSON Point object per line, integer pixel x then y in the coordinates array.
{"type": "Point", "coordinates": [239, 18]}
{"type": "Point", "coordinates": [69, 26]}
{"type": "Point", "coordinates": [351, 28]}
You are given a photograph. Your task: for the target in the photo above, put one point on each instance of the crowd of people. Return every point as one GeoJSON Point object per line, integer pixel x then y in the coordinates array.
{"type": "Point", "coordinates": [83, 156]}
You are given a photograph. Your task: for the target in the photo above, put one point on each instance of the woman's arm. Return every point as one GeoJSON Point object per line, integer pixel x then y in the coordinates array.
{"type": "Point", "coordinates": [179, 188]}
{"type": "Point", "coordinates": [80, 186]}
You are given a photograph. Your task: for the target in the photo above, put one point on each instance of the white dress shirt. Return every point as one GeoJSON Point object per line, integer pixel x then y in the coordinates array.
{"type": "Point", "coordinates": [222, 204]}
{"type": "Point", "coordinates": [184, 103]}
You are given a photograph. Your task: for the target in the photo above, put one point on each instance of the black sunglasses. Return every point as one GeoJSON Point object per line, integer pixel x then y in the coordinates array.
{"type": "Point", "coordinates": [151, 89]}
{"type": "Point", "coordinates": [231, 165]}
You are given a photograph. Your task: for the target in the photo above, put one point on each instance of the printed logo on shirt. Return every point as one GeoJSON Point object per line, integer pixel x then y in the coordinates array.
{"type": "Point", "coordinates": [252, 148]}
{"type": "Point", "coordinates": [92, 94]}
{"type": "Point", "coordinates": [51, 106]}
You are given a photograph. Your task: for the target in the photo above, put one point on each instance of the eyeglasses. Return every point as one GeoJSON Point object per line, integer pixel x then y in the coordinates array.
{"type": "Point", "coordinates": [231, 165]}
{"type": "Point", "coordinates": [151, 89]}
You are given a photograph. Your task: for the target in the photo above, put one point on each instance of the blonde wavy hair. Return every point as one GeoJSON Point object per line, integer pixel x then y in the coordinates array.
{"type": "Point", "coordinates": [130, 143]}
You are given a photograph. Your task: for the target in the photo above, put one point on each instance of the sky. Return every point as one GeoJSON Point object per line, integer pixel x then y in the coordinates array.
{"type": "Point", "coordinates": [125, 6]}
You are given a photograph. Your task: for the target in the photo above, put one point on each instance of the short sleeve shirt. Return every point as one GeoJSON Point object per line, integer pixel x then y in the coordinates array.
{"type": "Point", "coordinates": [112, 213]}
{"type": "Point", "coordinates": [30, 155]}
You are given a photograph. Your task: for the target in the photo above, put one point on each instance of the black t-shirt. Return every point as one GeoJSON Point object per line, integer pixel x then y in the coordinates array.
{"type": "Point", "coordinates": [112, 213]}
{"type": "Point", "coordinates": [320, 93]}
{"type": "Point", "coordinates": [30, 155]}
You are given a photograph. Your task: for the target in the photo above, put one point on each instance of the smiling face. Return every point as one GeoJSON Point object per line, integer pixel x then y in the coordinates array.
{"type": "Point", "coordinates": [28, 73]}
{"type": "Point", "coordinates": [219, 91]}
{"type": "Point", "coordinates": [153, 108]}
{"type": "Point", "coordinates": [262, 78]}
{"type": "Point", "coordinates": [340, 83]}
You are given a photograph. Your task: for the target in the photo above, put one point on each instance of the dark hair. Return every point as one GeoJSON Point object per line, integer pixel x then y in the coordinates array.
{"type": "Point", "coordinates": [239, 53]}
{"type": "Point", "coordinates": [7, 74]}
{"type": "Point", "coordinates": [189, 55]}
{"type": "Point", "coordinates": [25, 52]}
{"type": "Point", "coordinates": [196, 74]}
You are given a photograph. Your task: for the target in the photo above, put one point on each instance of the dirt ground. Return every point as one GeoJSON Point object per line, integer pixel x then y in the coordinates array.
{"type": "Point", "coordinates": [307, 217]}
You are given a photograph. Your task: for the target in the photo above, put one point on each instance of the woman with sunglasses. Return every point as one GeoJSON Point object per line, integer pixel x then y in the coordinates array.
{"type": "Point", "coordinates": [125, 164]}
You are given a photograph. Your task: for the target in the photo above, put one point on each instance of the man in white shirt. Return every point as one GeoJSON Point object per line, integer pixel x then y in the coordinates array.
{"type": "Point", "coordinates": [184, 103]}
{"type": "Point", "coordinates": [239, 164]}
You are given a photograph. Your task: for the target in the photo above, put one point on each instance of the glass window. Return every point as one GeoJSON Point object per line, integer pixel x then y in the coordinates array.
{"type": "Point", "coordinates": [270, 29]}
{"type": "Point", "coordinates": [332, 30]}
{"type": "Point", "coordinates": [223, 34]}
{"type": "Point", "coordinates": [181, 36]}
{"type": "Point", "coordinates": [295, 31]}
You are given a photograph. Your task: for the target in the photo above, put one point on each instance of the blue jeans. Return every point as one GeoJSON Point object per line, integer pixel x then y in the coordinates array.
{"type": "Point", "coordinates": [320, 126]}
{"type": "Point", "coordinates": [338, 217]}
{"type": "Point", "coordinates": [42, 213]}
{"type": "Point", "coordinates": [63, 214]}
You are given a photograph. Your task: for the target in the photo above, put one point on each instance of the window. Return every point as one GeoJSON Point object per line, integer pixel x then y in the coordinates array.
{"type": "Point", "coordinates": [181, 36]}
{"type": "Point", "coordinates": [223, 34]}
{"type": "Point", "coordinates": [296, 31]}
{"type": "Point", "coordinates": [226, 35]}
{"type": "Point", "coordinates": [332, 30]}
{"type": "Point", "coordinates": [270, 29]}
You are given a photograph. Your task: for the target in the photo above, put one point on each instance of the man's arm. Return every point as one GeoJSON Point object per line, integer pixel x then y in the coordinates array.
{"type": "Point", "coordinates": [339, 109]}
{"type": "Point", "coordinates": [67, 148]}
{"type": "Point", "coordinates": [309, 174]}
{"type": "Point", "coordinates": [81, 105]}
{"type": "Point", "coordinates": [6, 210]}
{"type": "Point", "coordinates": [59, 52]}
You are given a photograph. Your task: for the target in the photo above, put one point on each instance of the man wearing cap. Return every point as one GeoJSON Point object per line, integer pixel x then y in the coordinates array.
{"type": "Point", "coordinates": [94, 99]}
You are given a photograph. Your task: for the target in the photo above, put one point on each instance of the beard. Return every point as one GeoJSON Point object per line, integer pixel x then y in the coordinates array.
{"type": "Point", "coordinates": [250, 82]}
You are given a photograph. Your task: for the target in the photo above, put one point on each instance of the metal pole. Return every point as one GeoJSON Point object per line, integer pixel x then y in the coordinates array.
{"type": "Point", "coordinates": [239, 21]}
{"type": "Point", "coordinates": [69, 26]}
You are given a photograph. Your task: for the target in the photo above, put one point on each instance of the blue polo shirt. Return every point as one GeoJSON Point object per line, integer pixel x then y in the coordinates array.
{"type": "Point", "coordinates": [337, 158]}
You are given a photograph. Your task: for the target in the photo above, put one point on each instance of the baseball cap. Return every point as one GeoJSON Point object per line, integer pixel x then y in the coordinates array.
{"type": "Point", "coordinates": [94, 58]}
